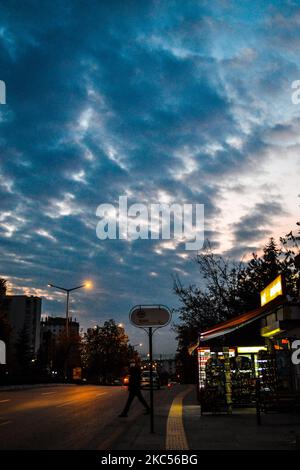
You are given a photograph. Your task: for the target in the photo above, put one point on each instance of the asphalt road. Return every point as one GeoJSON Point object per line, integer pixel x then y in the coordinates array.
{"type": "Point", "coordinates": [67, 416]}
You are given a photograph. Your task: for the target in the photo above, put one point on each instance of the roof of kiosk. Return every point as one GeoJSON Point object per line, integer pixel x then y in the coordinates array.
{"type": "Point", "coordinates": [228, 326]}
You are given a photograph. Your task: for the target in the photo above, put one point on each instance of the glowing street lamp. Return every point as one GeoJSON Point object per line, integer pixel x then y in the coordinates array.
{"type": "Point", "coordinates": [87, 285]}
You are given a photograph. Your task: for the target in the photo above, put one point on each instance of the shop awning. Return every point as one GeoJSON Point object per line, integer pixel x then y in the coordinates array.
{"type": "Point", "coordinates": [239, 321]}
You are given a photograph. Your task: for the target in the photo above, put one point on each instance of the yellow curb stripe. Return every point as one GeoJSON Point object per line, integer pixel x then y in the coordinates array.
{"type": "Point", "coordinates": [176, 437]}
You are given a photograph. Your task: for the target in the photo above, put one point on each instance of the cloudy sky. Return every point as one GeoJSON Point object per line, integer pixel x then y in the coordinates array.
{"type": "Point", "coordinates": [162, 101]}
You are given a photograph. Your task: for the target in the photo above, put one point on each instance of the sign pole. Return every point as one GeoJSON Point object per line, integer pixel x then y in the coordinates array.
{"type": "Point", "coordinates": [151, 382]}
{"type": "Point", "coordinates": [149, 317]}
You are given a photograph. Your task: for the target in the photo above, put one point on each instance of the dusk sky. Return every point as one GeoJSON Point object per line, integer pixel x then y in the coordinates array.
{"type": "Point", "coordinates": [161, 101]}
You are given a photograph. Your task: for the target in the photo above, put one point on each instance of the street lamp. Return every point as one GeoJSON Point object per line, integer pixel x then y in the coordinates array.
{"type": "Point", "coordinates": [87, 284]}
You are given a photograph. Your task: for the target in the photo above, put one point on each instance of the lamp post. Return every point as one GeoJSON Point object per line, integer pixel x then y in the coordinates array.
{"type": "Point", "coordinates": [87, 285]}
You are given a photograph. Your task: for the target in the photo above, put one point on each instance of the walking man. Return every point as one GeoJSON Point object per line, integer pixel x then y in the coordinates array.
{"type": "Point", "coordinates": [134, 388]}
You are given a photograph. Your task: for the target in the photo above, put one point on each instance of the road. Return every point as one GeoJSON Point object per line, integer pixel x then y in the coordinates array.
{"type": "Point", "coordinates": [66, 416]}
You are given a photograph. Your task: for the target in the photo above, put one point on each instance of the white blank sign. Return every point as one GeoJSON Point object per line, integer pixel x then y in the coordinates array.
{"type": "Point", "coordinates": [150, 316]}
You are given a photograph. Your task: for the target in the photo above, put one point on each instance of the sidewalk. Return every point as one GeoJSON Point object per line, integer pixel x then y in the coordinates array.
{"type": "Point", "coordinates": [179, 426]}
{"type": "Point", "coordinates": [280, 431]}
{"type": "Point", "coordinates": [137, 433]}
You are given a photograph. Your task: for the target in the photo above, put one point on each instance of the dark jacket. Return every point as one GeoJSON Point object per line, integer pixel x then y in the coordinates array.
{"type": "Point", "coordinates": [134, 379]}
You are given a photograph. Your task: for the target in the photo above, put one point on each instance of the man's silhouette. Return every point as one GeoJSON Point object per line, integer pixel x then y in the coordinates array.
{"type": "Point", "coordinates": [134, 387]}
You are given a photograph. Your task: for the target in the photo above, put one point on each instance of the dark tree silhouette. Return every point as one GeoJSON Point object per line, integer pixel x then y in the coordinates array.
{"type": "Point", "coordinates": [24, 351]}
{"type": "Point", "coordinates": [227, 289]}
{"type": "Point", "coordinates": [105, 351]}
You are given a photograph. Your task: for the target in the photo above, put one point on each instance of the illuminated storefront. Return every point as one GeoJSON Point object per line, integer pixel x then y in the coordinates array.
{"type": "Point", "coordinates": [255, 347]}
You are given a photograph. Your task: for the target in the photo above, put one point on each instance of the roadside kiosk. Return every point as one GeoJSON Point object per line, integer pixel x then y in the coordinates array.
{"type": "Point", "coordinates": [250, 355]}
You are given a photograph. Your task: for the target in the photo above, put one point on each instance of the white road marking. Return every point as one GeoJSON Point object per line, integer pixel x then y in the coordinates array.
{"type": "Point", "coordinates": [5, 401]}
{"type": "Point", "coordinates": [66, 403]}
{"type": "Point", "coordinates": [48, 393]}
{"type": "Point", "coordinates": [5, 422]}
{"type": "Point", "coordinates": [70, 402]}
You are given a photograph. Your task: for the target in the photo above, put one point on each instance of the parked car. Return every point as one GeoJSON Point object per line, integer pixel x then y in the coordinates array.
{"type": "Point", "coordinates": [145, 379]}
{"type": "Point", "coordinates": [116, 382]}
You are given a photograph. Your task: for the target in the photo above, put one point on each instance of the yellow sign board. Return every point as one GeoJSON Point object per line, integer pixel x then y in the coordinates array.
{"type": "Point", "coordinates": [273, 290]}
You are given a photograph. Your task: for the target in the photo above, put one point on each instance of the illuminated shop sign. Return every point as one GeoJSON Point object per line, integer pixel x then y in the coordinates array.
{"type": "Point", "coordinates": [273, 290]}
{"type": "Point", "coordinates": [250, 349]}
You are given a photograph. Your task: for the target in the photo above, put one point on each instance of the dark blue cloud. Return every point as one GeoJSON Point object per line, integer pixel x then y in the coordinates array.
{"type": "Point", "coordinates": [138, 98]}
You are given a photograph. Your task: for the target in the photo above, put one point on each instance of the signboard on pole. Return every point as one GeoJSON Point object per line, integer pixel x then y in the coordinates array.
{"type": "Point", "coordinates": [145, 316]}
{"type": "Point", "coordinates": [150, 317]}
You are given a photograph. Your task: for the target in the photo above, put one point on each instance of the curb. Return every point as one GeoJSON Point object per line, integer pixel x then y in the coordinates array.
{"type": "Point", "coordinates": [175, 434]}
